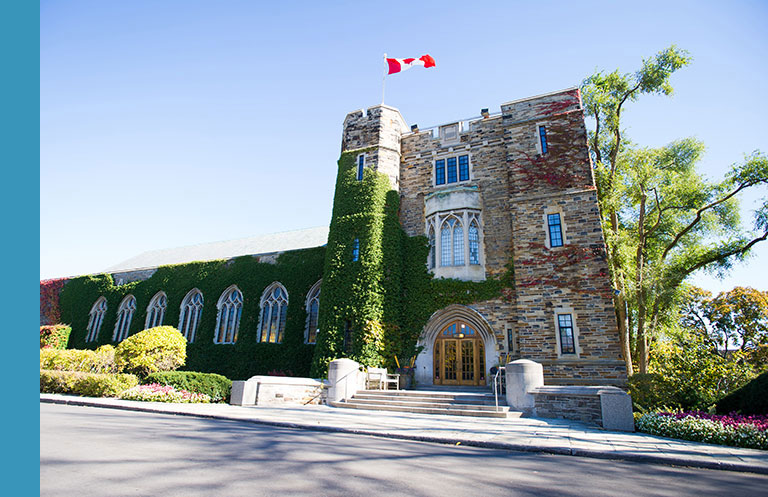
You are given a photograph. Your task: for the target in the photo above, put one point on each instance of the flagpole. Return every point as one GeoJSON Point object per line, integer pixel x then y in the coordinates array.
{"type": "Point", "coordinates": [384, 79]}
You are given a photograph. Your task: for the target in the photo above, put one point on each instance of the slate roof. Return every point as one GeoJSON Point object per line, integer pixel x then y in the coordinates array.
{"type": "Point", "coordinates": [255, 245]}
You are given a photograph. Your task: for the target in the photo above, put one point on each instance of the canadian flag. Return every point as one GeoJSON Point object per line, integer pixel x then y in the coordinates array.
{"type": "Point", "coordinates": [398, 65]}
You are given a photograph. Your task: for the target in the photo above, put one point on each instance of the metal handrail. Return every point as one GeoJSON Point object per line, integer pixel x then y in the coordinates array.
{"type": "Point", "coordinates": [496, 384]}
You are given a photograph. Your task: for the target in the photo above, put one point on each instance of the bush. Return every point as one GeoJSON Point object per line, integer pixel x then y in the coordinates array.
{"type": "Point", "coordinates": [101, 360]}
{"type": "Point", "coordinates": [86, 384]}
{"type": "Point", "coordinates": [162, 348]}
{"type": "Point", "coordinates": [752, 398]}
{"type": "Point", "coordinates": [54, 336]}
{"type": "Point", "coordinates": [651, 391]}
{"type": "Point", "coordinates": [154, 392]}
{"type": "Point", "coordinates": [217, 387]}
{"type": "Point", "coordinates": [731, 430]}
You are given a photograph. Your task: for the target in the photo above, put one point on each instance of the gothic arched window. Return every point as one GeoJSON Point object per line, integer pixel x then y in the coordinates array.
{"type": "Point", "coordinates": [313, 310]}
{"type": "Point", "coordinates": [274, 309]}
{"type": "Point", "coordinates": [156, 310]}
{"type": "Point", "coordinates": [431, 260]}
{"type": "Point", "coordinates": [191, 312]}
{"type": "Point", "coordinates": [230, 306]}
{"type": "Point", "coordinates": [452, 243]}
{"type": "Point", "coordinates": [96, 319]}
{"type": "Point", "coordinates": [474, 243]}
{"type": "Point", "coordinates": [124, 315]}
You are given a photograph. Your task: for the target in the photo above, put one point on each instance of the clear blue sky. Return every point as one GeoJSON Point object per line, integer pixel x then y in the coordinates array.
{"type": "Point", "coordinates": [171, 123]}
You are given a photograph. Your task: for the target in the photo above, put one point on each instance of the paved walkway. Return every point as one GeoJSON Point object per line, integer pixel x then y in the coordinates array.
{"type": "Point", "coordinates": [524, 434]}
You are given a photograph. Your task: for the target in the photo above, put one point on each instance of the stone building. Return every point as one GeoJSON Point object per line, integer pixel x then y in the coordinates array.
{"type": "Point", "coordinates": [507, 196]}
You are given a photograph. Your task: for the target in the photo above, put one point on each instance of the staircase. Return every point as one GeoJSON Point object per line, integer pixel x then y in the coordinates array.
{"type": "Point", "coordinates": [475, 402]}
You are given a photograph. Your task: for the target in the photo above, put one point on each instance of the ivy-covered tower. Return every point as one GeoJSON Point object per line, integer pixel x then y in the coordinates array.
{"type": "Point", "coordinates": [360, 300]}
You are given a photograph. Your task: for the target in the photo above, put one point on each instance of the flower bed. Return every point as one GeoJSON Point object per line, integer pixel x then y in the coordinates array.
{"type": "Point", "coordinates": [730, 429]}
{"type": "Point", "coordinates": [155, 392]}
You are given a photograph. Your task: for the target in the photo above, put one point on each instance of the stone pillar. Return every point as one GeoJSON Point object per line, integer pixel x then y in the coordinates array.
{"type": "Point", "coordinates": [523, 376]}
{"type": "Point", "coordinates": [342, 379]}
{"type": "Point", "coordinates": [616, 407]}
{"type": "Point", "coordinates": [243, 393]}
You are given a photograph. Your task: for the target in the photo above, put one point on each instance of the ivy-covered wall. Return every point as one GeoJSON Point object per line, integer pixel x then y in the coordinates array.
{"type": "Point", "coordinates": [296, 270]}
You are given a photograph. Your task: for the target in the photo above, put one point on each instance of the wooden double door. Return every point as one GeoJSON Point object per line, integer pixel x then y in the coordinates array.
{"type": "Point", "coordinates": [459, 356]}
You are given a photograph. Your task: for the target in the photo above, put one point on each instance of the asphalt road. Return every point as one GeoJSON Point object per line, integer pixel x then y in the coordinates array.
{"type": "Point", "coordinates": [86, 451]}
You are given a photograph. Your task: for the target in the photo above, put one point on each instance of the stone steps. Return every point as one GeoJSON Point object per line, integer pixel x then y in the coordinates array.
{"type": "Point", "coordinates": [479, 404]}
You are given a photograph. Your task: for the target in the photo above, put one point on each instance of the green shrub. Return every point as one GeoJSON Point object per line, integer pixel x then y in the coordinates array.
{"type": "Point", "coordinates": [217, 387]}
{"type": "Point", "coordinates": [155, 392]}
{"type": "Point", "coordinates": [650, 391]}
{"type": "Point", "coordinates": [86, 384]}
{"type": "Point", "coordinates": [752, 398]}
{"type": "Point", "coordinates": [101, 360]}
{"type": "Point", "coordinates": [162, 348]}
{"type": "Point", "coordinates": [55, 336]}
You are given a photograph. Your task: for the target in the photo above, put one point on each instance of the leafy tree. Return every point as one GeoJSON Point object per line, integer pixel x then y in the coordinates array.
{"type": "Point", "coordinates": [662, 219]}
{"type": "Point", "coordinates": [734, 320]}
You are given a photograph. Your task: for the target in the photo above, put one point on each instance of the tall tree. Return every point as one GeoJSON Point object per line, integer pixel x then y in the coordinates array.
{"type": "Point", "coordinates": [662, 220]}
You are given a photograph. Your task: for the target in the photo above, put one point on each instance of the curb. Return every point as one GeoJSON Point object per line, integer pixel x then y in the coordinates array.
{"type": "Point", "coordinates": [565, 451]}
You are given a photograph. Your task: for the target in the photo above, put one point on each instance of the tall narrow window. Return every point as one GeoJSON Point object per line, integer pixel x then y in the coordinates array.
{"type": "Point", "coordinates": [96, 318]}
{"type": "Point", "coordinates": [445, 243]}
{"type": "Point", "coordinates": [431, 260]}
{"type": "Point", "coordinates": [191, 313]}
{"type": "Point", "coordinates": [124, 315]}
{"type": "Point", "coordinates": [440, 172]}
{"type": "Point", "coordinates": [360, 166]}
{"type": "Point", "coordinates": [565, 325]}
{"type": "Point", "coordinates": [463, 168]}
{"type": "Point", "coordinates": [313, 309]}
{"type": "Point", "coordinates": [555, 230]}
{"type": "Point", "coordinates": [451, 169]}
{"type": "Point", "coordinates": [274, 309]}
{"type": "Point", "coordinates": [543, 139]}
{"type": "Point", "coordinates": [458, 245]}
{"type": "Point", "coordinates": [356, 250]}
{"type": "Point", "coordinates": [474, 243]}
{"type": "Point", "coordinates": [230, 306]}
{"type": "Point", "coordinates": [156, 310]}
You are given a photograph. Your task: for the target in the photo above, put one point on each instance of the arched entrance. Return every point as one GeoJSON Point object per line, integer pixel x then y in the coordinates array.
{"type": "Point", "coordinates": [459, 355]}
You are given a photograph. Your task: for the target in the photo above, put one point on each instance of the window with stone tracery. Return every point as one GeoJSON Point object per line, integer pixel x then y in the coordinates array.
{"type": "Point", "coordinates": [274, 310]}
{"type": "Point", "coordinates": [124, 315]}
{"type": "Point", "coordinates": [456, 246]}
{"type": "Point", "coordinates": [313, 310]}
{"type": "Point", "coordinates": [156, 310]}
{"type": "Point", "coordinates": [96, 319]}
{"type": "Point", "coordinates": [191, 313]}
{"type": "Point", "coordinates": [230, 307]}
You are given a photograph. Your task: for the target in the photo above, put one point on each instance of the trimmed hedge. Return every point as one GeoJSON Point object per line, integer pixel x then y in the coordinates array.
{"type": "Point", "coordinates": [162, 348]}
{"type": "Point", "coordinates": [86, 384]}
{"type": "Point", "coordinates": [752, 398]}
{"type": "Point", "coordinates": [217, 387]}
{"type": "Point", "coordinates": [101, 360]}
{"type": "Point", "coordinates": [54, 336]}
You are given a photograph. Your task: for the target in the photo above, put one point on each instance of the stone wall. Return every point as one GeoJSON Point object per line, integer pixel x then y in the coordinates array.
{"type": "Point", "coordinates": [277, 390]}
{"type": "Point", "coordinates": [585, 408]}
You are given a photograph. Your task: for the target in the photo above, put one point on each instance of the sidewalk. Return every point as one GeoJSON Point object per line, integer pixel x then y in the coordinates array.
{"type": "Point", "coordinates": [553, 436]}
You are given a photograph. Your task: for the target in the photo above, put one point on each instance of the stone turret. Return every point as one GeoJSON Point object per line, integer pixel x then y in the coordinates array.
{"type": "Point", "coordinates": [381, 127]}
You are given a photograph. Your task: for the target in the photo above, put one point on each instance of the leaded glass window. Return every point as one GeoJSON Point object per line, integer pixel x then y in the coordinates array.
{"type": "Point", "coordinates": [474, 243]}
{"type": "Point", "coordinates": [313, 310]}
{"type": "Point", "coordinates": [452, 170]}
{"type": "Point", "coordinates": [463, 168]}
{"type": "Point", "coordinates": [191, 313]}
{"type": "Point", "coordinates": [555, 230]}
{"type": "Point", "coordinates": [452, 178]}
{"type": "Point", "coordinates": [565, 325]}
{"type": "Point", "coordinates": [124, 315]}
{"type": "Point", "coordinates": [96, 319]}
{"type": "Point", "coordinates": [230, 306]}
{"type": "Point", "coordinates": [274, 309]}
{"type": "Point", "coordinates": [156, 310]}
{"type": "Point", "coordinates": [360, 166]}
{"type": "Point", "coordinates": [543, 139]}
{"type": "Point", "coordinates": [440, 172]}
{"type": "Point", "coordinates": [355, 250]}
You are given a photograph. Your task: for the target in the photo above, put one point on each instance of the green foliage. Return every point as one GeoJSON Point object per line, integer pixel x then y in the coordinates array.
{"type": "Point", "coordinates": [163, 393]}
{"type": "Point", "coordinates": [651, 391]}
{"type": "Point", "coordinates": [162, 348]}
{"type": "Point", "coordinates": [54, 336]}
{"type": "Point", "coordinates": [217, 387]}
{"type": "Point", "coordinates": [703, 430]}
{"type": "Point", "coordinates": [752, 398]}
{"type": "Point", "coordinates": [86, 384]}
{"type": "Point", "coordinates": [101, 360]}
{"type": "Point", "coordinates": [297, 270]}
{"type": "Point", "coordinates": [691, 374]}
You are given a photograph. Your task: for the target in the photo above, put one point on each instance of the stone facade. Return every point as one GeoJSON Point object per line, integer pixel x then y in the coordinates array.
{"type": "Point", "coordinates": [513, 185]}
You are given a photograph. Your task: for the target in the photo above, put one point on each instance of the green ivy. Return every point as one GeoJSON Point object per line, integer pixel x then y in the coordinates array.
{"type": "Point", "coordinates": [297, 270]}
